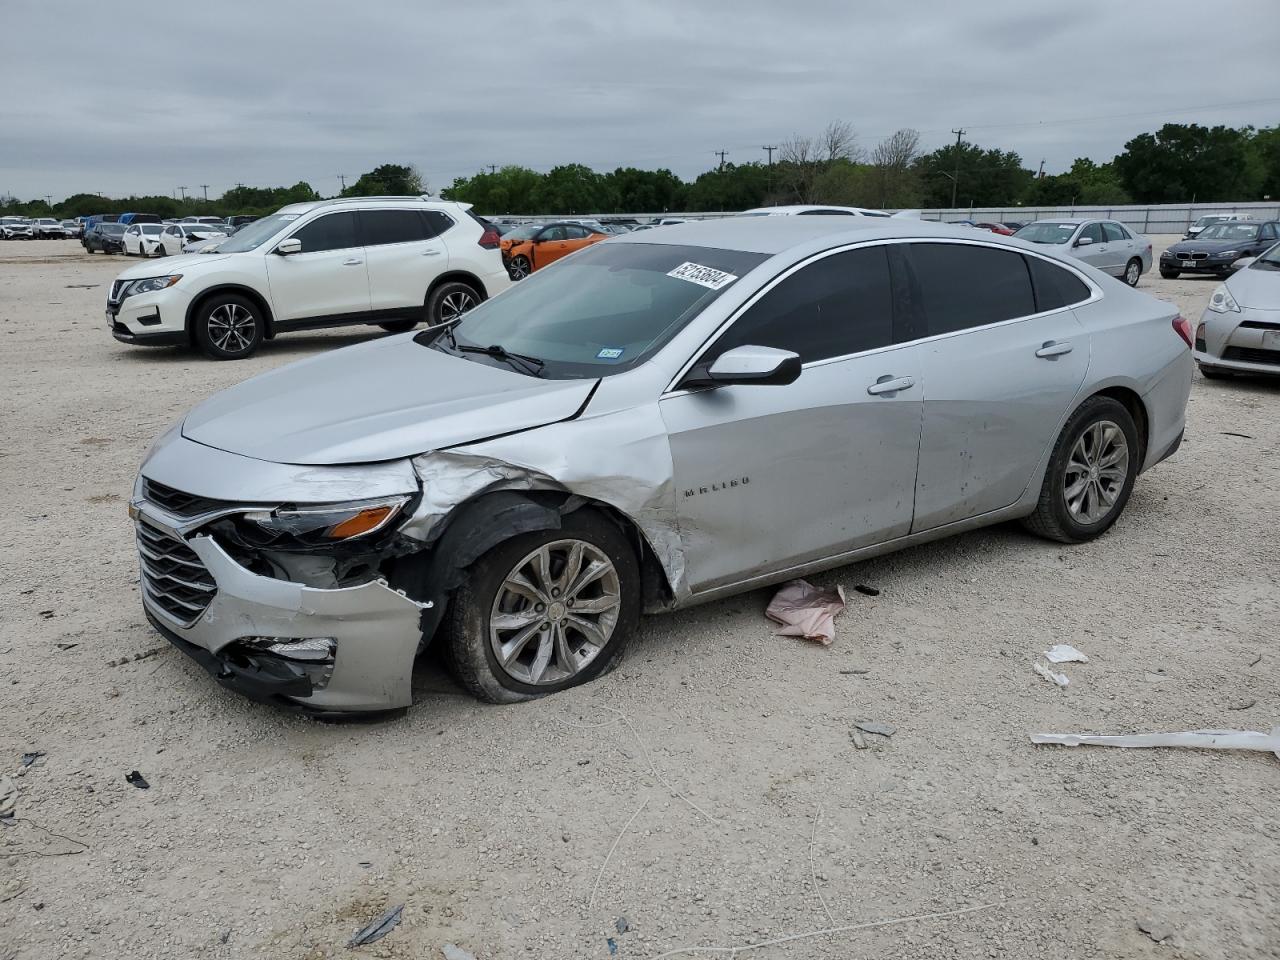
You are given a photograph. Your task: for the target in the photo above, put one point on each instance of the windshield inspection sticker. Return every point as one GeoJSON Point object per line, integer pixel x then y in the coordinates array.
{"type": "Point", "coordinates": [610, 353]}
{"type": "Point", "coordinates": [703, 276]}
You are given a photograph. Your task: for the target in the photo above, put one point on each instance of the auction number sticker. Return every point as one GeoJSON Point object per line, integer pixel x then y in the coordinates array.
{"type": "Point", "coordinates": [703, 276]}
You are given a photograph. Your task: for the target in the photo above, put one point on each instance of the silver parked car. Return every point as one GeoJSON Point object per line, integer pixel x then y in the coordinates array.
{"type": "Point", "coordinates": [1106, 244]}
{"type": "Point", "coordinates": [661, 419]}
{"type": "Point", "coordinates": [1240, 329]}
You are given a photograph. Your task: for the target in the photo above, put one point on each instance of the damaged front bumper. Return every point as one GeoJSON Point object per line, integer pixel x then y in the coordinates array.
{"type": "Point", "coordinates": [374, 633]}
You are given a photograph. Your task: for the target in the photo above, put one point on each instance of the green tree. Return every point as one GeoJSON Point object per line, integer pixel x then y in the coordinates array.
{"type": "Point", "coordinates": [574, 188]}
{"type": "Point", "coordinates": [390, 179]}
{"type": "Point", "coordinates": [982, 178]}
{"type": "Point", "coordinates": [1265, 149]}
{"type": "Point", "coordinates": [646, 191]}
{"type": "Point", "coordinates": [732, 187]}
{"type": "Point", "coordinates": [1183, 162]}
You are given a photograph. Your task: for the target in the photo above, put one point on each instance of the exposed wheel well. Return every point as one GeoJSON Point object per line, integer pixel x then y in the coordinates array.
{"type": "Point", "coordinates": [247, 292]}
{"type": "Point", "coordinates": [1130, 400]}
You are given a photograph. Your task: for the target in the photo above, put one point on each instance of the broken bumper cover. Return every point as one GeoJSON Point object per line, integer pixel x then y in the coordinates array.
{"type": "Point", "coordinates": [375, 631]}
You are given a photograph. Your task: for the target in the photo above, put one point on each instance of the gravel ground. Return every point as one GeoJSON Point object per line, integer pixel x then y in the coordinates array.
{"type": "Point", "coordinates": [708, 790]}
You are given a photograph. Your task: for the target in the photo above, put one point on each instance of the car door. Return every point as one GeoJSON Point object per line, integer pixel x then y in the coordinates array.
{"type": "Point", "coordinates": [1094, 253]}
{"type": "Point", "coordinates": [1003, 361]}
{"type": "Point", "coordinates": [769, 477]}
{"type": "Point", "coordinates": [550, 245]}
{"type": "Point", "coordinates": [403, 256]}
{"type": "Point", "coordinates": [1121, 247]}
{"type": "Point", "coordinates": [133, 239]}
{"type": "Point", "coordinates": [326, 281]}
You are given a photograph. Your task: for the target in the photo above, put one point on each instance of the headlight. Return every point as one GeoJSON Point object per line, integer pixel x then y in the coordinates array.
{"type": "Point", "coordinates": [1233, 254]}
{"type": "Point", "coordinates": [331, 521]}
{"type": "Point", "coordinates": [1223, 302]}
{"type": "Point", "coordinates": [150, 285]}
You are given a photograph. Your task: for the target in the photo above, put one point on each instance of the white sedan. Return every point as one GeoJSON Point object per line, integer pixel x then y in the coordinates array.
{"type": "Point", "coordinates": [142, 240]}
{"type": "Point", "coordinates": [175, 237]}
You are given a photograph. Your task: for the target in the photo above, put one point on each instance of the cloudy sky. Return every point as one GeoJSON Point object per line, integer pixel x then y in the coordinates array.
{"type": "Point", "coordinates": [127, 97]}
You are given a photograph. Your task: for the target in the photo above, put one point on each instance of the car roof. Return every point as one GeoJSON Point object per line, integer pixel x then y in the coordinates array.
{"type": "Point", "coordinates": [775, 235]}
{"type": "Point", "coordinates": [338, 202]}
{"type": "Point", "coordinates": [802, 207]}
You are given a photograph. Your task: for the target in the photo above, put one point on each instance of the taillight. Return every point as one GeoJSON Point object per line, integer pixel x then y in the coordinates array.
{"type": "Point", "coordinates": [1183, 329]}
{"type": "Point", "coordinates": [490, 239]}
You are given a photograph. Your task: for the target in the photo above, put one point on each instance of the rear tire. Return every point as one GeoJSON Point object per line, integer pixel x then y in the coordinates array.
{"type": "Point", "coordinates": [449, 301]}
{"type": "Point", "coordinates": [1090, 475]}
{"type": "Point", "coordinates": [1169, 274]}
{"type": "Point", "coordinates": [229, 327]}
{"type": "Point", "coordinates": [1132, 272]}
{"type": "Point", "coordinates": [520, 268]}
{"type": "Point", "coordinates": [398, 326]}
{"type": "Point", "coordinates": [473, 644]}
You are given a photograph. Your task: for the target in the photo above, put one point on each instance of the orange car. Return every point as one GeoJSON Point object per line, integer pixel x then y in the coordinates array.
{"type": "Point", "coordinates": [536, 248]}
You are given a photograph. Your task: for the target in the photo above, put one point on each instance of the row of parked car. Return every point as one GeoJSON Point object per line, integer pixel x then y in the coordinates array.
{"type": "Point", "coordinates": [40, 228]}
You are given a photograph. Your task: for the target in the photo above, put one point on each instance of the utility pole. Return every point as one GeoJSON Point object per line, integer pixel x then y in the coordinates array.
{"type": "Point", "coordinates": [48, 198]}
{"type": "Point", "coordinates": [769, 150]}
{"type": "Point", "coordinates": [1040, 175]}
{"type": "Point", "coordinates": [342, 179]}
{"type": "Point", "coordinates": [769, 181]}
{"type": "Point", "coordinates": [184, 194]}
{"type": "Point", "coordinates": [205, 188]}
{"type": "Point", "coordinates": [493, 168]}
{"type": "Point", "coordinates": [955, 180]}
{"type": "Point", "coordinates": [721, 155]}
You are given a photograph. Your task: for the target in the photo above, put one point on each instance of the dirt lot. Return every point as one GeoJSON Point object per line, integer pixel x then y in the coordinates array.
{"type": "Point", "coordinates": [526, 831]}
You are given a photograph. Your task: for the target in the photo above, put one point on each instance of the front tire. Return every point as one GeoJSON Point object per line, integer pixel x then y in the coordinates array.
{"type": "Point", "coordinates": [229, 327]}
{"type": "Point", "coordinates": [1132, 272]}
{"type": "Point", "coordinates": [449, 301]}
{"type": "Point", "coordinates": [545, 611]}
{"type": "Point", "coordinates": [1090, 475]}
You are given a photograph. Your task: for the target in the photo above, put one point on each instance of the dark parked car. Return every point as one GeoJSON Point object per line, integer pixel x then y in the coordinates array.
{"type": "Point", "coordinates": [128, 218]}
{"type": "Point", "coordinates": [240, 220]}
{"type": "Point", "coordinates": [1218, 246]}
{"type": "Point", "coordinates": [107, 237]}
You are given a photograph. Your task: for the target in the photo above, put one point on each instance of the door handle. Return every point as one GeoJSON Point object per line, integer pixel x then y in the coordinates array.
{"type": "Point", "coordinates": [889, 384]}
{"type": "Point", "coordinates": [353, 262]}
{"type": "Point", "coordinates": [1053, 348]}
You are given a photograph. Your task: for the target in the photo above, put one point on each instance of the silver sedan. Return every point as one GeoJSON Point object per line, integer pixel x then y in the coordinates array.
{"type": "Point", "coordinates": [1106, 244]}
{"type": "Point", "coordinates": [1240, 329]}
{"type": "Point", "coordinates": [659, 420]}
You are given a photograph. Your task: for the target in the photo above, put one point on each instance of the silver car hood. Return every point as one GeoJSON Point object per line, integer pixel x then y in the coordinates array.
{"type": "Point", "coordinates": [382, 400]}
{"type": "Point", "coordinates": [1257, 289]}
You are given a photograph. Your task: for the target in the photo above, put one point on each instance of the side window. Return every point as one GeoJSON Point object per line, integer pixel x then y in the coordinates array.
{"type": "Point", "coordinates": [963, 286]}
{"type": "Point", "coordinates": [334, 231]}
{"type": "Point", "coordinates": [552, 233]}
{"type": "Point", "coordinates": [841, 304]}
{"type": "Point", "coordinates": [1054, 286]}
{"type": "Point", "coordinates": [1093, 231]}
{"type": "Point", "coordinates": [1268, 231]}
{"type": "Point", "coordinates": [1113, 231]}
{"type": "Point", "coordinates": [437, 222]}
{"type": "Point", "coordinates": [577, 233]}
{"type": "Point", "coordinates": [390, 226]}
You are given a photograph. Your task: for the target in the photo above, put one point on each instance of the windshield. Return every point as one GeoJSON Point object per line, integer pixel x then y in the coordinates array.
{"type": "Point", "coordinates": [599, 311]}
{"type": "Point", "coordinates": [1205, 221]}
{"type": "Point", "coordinates": [1270, 260]}
{"type": "Point", "coordinates": [150, 229]}
{"type": "Point", "coordinates": [257, 233]}
{"type": "Point", "coordinates": [1045, 232]}
{"type": "Point", "coordinates": [523, 233]}
{"type": "Point", "coordinates": [1229, 231]}
{"type": "Point", "coordinates": [111, 227]}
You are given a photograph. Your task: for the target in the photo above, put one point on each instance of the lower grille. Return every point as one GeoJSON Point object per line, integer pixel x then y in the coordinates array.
{"type": "Point", "coordinates": [1251, 355]}
{"type": "Point", "coordinates": [177, 501]}
{"type": "Point", "coordinates": [173, 577]}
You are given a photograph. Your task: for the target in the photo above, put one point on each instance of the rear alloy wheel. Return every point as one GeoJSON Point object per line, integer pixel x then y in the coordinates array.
{"type": "Point", "coordinates": [229, 327]}
{"type": "Point", "coordinates": [1132, 271]}
{"type": "Point", "coordinates": [520, 268]}
{"type": "Point", "coordinates": [545, 611]}
{"type": "Point", "coordinates": [1090, 475]}
{"type": "Point", "coordinates": [449, 301]}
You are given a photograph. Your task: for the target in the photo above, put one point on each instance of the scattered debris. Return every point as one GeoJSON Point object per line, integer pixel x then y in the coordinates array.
{"type": "Point", "coordinates": [452, 951]}
{"type": "Point", "coordinates": [66, 646]}
{"type": "Point", "coordinates": [876, 727]}
{"type": "Point", "coordinates": [1061, 679]}
{"type": "Point", "coordinates": [608, 856]}
{"type": "Point", "coordinates": [612, 945]}
{"type": "Point", "coordinates": [805, 611]}
{"type": "Point", "coordinates": [82, 286]}
{"type": "Point", "coordinates": [8, 798]}
{"type": "Point", "coordinates": [226, 935]}
{"type": "Point", "coordinates": [1242, 436]}
{"type": "Point", "coordinates": [136, 657]}
{"type": "Point", "coordinates": [12, 888]}
{"type": "Point", "coordinates": [1256, 660]}
{"type": "Point", "coordinates": [859, 740]}
{"type": "Point", "coordinates": [379, 928]}
{"type": "Point", "coordinates": [1155, 931]}
{"type": "Point", "coordinates": [863, 589]}
{"type": "Point", "coordinates": [47, 614]}
{"type": "Point", "coordinates": [1242, 705]}
{"type": "Point", "coordinates": [1157, 676]}
{"type": "Point", "coordinates": [1202, 739]}
{"type": "Point", "coordinates": [856, 673]}
{"type": "Point", "coordinates": [29, 758]}
{"type": "Point", "coordinates": [1064, 653]}
{"type": "Point", "coordinates": [137, 779]}
{"type": "Point", "coordinates": [621, 925]}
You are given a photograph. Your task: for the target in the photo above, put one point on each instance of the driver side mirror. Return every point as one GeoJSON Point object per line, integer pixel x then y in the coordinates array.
{"type": "Point", "coordinates": [287, 247]}
{"type": "Point", "coordinates": [1084, 241]}
{"type": "Point", "coordinates": [765, 366]}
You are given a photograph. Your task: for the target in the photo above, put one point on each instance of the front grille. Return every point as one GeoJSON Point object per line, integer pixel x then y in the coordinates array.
{"type": "Point", "coordinates": [1251, 355]}
{"type": "Point", "coordinates": [173, 577]}
{"type": "Point", "coordinates": [177, 502]}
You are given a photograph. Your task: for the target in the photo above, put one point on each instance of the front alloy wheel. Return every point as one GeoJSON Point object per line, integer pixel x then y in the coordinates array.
{"type": "Point", "coordinates": [229, 328]}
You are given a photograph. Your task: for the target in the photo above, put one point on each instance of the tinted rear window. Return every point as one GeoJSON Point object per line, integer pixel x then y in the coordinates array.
{"type": "Point", "coordinates": [392, 226]}
{"type": "Point", "coordinates": [1055, 286]}
{"type": "Point", "coordinates": [963, 286]}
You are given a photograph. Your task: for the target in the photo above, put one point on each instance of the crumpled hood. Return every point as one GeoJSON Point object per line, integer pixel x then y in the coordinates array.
{"type": "Point", "coordinates": [1256, 289]}
{"type": "Point", "coordinates": [168, 265]}
{"type": "Point", "coordinates": [381, 400]}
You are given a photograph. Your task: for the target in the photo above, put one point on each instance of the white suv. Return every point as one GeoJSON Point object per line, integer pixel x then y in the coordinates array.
{"type": "Point", "coordinates": [390, 261]}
